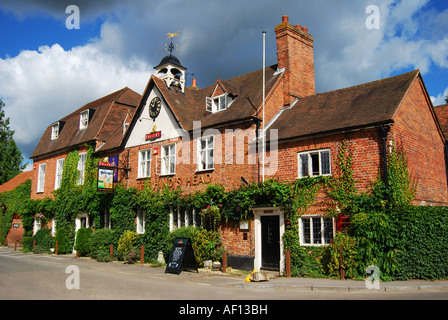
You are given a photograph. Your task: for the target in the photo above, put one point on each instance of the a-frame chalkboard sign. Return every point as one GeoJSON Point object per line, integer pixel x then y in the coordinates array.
{"type": "Point", "coordinates": [181, 257]}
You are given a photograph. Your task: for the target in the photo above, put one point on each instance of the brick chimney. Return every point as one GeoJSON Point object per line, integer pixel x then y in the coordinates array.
{"type": "Point", "coordinates": [295, 54]}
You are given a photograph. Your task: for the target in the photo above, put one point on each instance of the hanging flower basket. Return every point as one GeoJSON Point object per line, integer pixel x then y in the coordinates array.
{"type": "Point", "coordinates": [38, 216]}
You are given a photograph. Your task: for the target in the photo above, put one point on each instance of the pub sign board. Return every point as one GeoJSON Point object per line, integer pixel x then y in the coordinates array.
{"type": "Point", "coordinates": [181, 257]}
{"type": "Point", "coordinates": [105, 179]}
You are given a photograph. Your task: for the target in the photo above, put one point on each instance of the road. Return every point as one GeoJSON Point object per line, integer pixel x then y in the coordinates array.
{"type": "Point", "coordinates": [49, 277]}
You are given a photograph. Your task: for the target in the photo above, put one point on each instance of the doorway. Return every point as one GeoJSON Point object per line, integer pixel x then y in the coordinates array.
{"type": "Point", "coordinates": [270, 242]}
{"type": "Point", "coordinates": [269, 230]}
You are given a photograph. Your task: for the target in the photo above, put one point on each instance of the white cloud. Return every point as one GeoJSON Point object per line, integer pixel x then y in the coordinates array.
{"type": "Point", "coordinates": [357, 54]}
{"type": "Point", "coordinates": [40, 87]}
{"type": "Point", "coordinates": [440, 99]}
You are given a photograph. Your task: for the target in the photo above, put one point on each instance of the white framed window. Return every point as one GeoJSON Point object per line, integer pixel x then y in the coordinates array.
{"type": "Point", "coordinates": [81, 167]}
{"type": "Point", "coordinates": [55, 131]}
{"type": "Point", "coordinates": [316, 230]}
{"type": "Point", "coordinates": [314, 163]}
{"type": "Point", "coordinates": [140, 222]}
{"type": "Point", "coordinates": [205, 153]}
{"type": "Point", "coordinates": [81, 221]}
{"type": "Point", "coordinates": [58, 175]}
{"type": "Point", "coordinates": [184, 217]}
{"type": "Point", "coordinates": [84, 120]}
{"type": "Point", "coordinates": [41, 177]}
{"type": "Point", "coordinates": [168, 159]}
{"type": "Point", "coordinates": [144, 163]}
{"type": "Point", "coordinates": [218, 103]}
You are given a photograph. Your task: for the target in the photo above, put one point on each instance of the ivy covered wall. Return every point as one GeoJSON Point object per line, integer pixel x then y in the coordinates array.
{"type": "Point", "coordinates": [404, 241]}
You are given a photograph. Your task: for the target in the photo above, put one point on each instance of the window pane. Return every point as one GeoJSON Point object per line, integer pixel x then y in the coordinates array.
{"type": "Point", "coordinates": [172, 163]}
{"type": "Point", "coordinates": [303, 170]}
{"type": "Point", "coordinates": [210, 142]}
{"type": "Point", "coordinates": [147, 168]}
{"type": "Point", "coordinates": [325, 162]}
{"type": "Point", "coordinates": [210, 159]}
{"type": "Point", "coordinates": [315, 163]}
{"type": "Point", "coordinates": [317, 231]}
{"type": "Point", "coordinates": [306, 230]}
{"type": "Point", "coordinates": [328, 230]}
{"type": "Point", "coordinates": [222, 103]}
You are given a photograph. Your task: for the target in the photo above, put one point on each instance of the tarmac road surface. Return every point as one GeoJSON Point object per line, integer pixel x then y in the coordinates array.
{"type": "Point", "coordinates": [50, 277]}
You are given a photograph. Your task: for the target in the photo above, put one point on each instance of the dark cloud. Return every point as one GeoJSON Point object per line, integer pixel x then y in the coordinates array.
{"type": "Point", "coordinates": [90, 9]}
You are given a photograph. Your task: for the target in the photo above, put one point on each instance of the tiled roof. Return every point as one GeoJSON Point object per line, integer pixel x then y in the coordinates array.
{"type": "Point", "coordinates": [359, 106]}
{"type": "Point", "coordinates": [190, 105]}
{"type": "Point", "coordinates": [16, 181]}
{"type": "Point", "coordinates": [106, 124]}
{"type": "Point", "coordinates": [442, 115]}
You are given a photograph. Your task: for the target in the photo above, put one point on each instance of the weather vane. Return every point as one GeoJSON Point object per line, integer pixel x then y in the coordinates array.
{"type": "Point", "coordinates": [171, 47]}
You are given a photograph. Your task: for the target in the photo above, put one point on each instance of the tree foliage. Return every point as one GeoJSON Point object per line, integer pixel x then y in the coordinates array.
{"type": "Point", "coordinates": [10, 155]}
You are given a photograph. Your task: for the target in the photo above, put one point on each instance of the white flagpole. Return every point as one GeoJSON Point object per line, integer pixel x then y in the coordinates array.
{"type": "Point", "coordinates": [264, 94]}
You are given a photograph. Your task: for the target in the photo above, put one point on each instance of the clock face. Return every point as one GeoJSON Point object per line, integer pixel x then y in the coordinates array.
{"type": "Point", "coordinates": [154, 107]}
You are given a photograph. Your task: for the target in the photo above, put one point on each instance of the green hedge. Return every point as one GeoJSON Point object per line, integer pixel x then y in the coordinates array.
{"type": "Point", "coordinates": [100, 242]}
{"type": "Point", "coordinates": [423, 242]}
{"type": "Point", "coordinates": [83, 240]}
{"type": "Point", "coordinates": [65, 242]}
{"type": "Point", "coordinates": [44, 241]}
{"type": "Point", "coordinates": [407, 242]}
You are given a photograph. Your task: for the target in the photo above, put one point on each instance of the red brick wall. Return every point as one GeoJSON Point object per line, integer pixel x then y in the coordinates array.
{"type": "Point", "coordinates": [50, 175]}
{"type": "Point", "coordinates": [416, 131]}
{"type": "Point", "coordinates": [228, 168]}
{"type": "Point", "coordinates": [15, 233]}
{"type": "Point", "coordinates": [364, 145]}
{"type": "Point", "coordinates": [233, 238]}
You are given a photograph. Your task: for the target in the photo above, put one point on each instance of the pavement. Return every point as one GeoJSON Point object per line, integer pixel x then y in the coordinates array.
{"type": "Point", "coordinates": [236, 278]}
{"type": "Point", "coordinates": [331, 285]}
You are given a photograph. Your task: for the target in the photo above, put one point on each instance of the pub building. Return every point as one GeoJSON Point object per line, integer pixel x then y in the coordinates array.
{"type": "Point", "coordinates": [179, 136]}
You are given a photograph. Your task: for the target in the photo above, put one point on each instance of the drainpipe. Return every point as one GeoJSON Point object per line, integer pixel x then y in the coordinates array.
{"type": "Point", "coordinates": [383, 134]}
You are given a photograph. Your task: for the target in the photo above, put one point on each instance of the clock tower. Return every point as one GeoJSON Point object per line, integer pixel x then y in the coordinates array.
{"type": "Point", "coordinates": [170, 69]}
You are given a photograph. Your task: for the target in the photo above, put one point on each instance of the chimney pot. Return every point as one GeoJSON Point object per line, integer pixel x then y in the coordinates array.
{"type": "Point", "coordinates": [194, 82]}
{"type": "Point", "coordinates": [305, 29]}
{"type": "Point", "coordinates": [285, 19]}
{"type": "Point", "coordinates": [299, 27]}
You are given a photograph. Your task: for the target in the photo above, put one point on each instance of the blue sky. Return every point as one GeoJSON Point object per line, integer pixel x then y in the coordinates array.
{"type": "Point", "coordinates": [47, 70]}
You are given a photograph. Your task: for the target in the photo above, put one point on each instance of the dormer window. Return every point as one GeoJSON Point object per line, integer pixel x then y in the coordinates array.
{"type": "Point", "coordinates": [84, 120]}
{"type": "Point", "coordinates": [218, 103]}
{"type": "Point", "coordinates": [55, 131]}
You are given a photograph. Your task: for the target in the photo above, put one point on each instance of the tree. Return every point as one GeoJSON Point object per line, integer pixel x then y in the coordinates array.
{"type": "Point", "coordinates": [10, 155]}
{"type": "Point", "coordinates": [446, 99]}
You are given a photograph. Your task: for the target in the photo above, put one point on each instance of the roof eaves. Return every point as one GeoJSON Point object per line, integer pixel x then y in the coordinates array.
{"type": "Point", "coordinates": [334, 131]}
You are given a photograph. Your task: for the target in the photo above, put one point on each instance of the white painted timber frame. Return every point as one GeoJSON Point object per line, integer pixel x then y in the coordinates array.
{"type": "Point", "coordinates": [268, 211]}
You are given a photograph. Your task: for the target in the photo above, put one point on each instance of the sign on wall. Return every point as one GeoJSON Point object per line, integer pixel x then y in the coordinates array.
{"type": "Point", "coordinates": [153, 135]}
{"type": "Point", "coordinates": [105, 179]}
